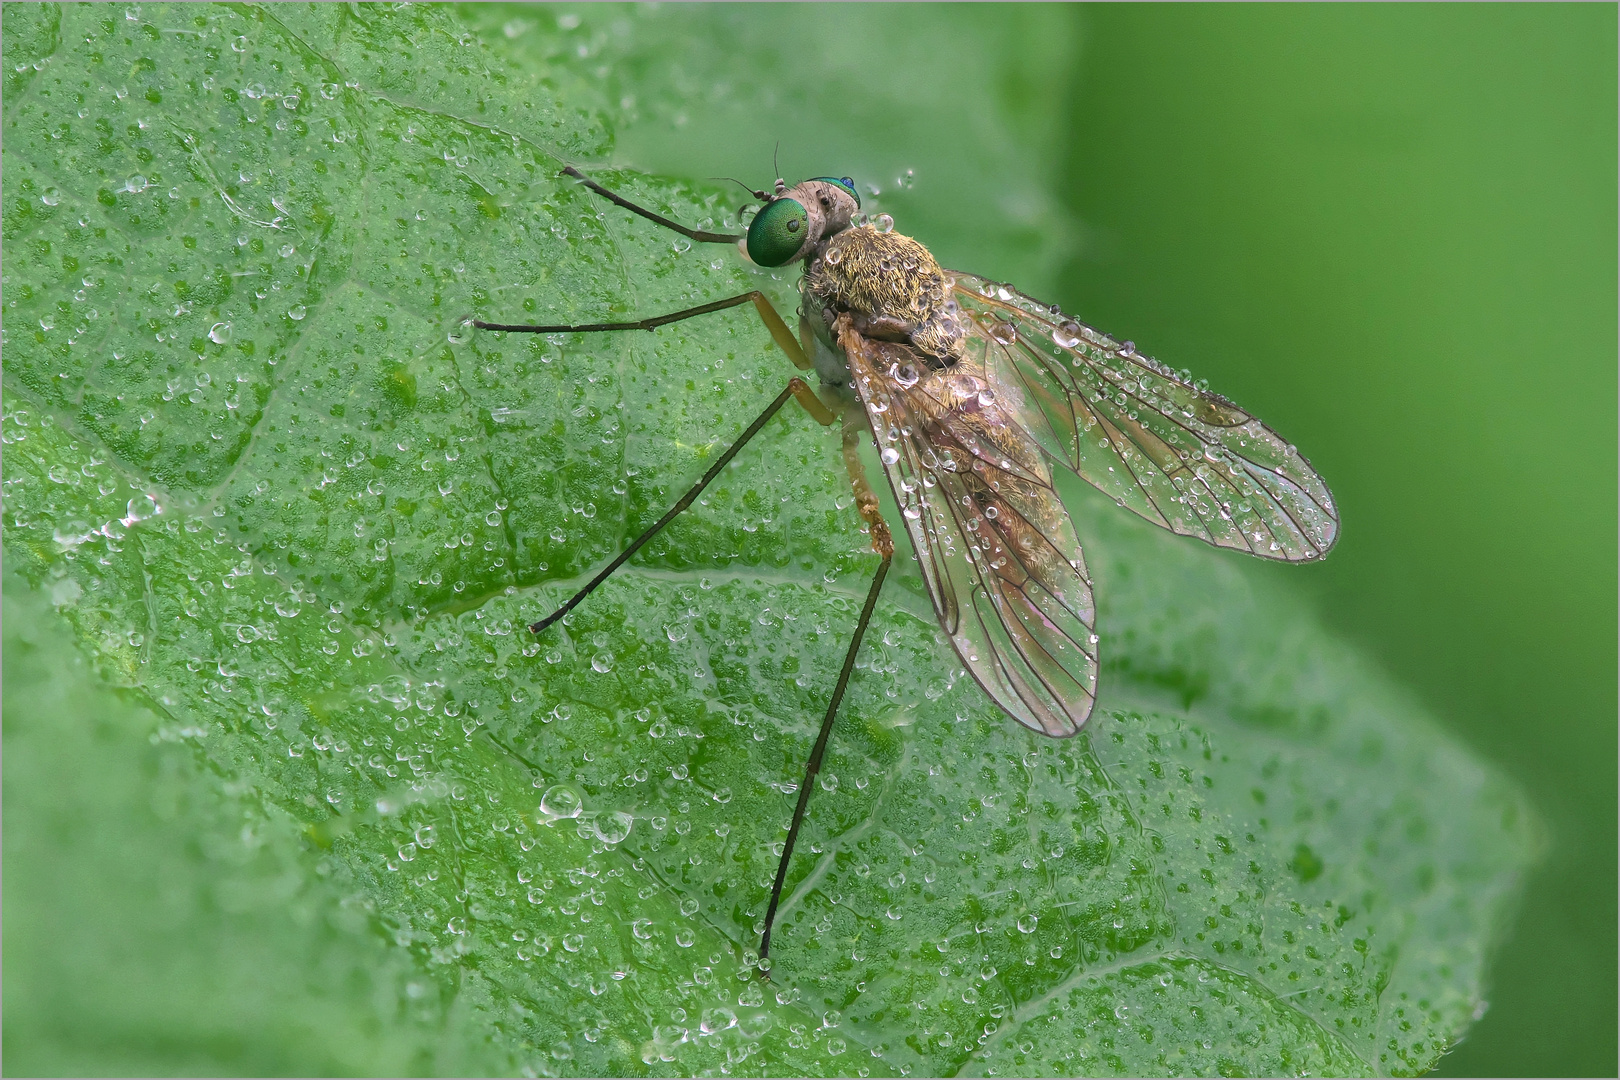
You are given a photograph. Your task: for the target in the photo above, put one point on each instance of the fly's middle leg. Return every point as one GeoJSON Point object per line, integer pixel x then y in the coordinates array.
{"type": "Point", "coordinates": [795, 389]}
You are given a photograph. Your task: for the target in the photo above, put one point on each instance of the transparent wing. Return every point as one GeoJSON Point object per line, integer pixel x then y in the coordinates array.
{"type": "Point", "coordinates": [1171, 451]}
{"type": "Point", "coordinates": [997, 551]}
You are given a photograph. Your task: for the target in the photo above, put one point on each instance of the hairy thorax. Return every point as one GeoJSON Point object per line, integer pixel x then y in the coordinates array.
{"type": "Point", "coordinates": [892, 289]}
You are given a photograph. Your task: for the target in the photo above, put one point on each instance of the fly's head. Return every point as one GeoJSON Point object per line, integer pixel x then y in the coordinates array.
{"type": "Point", "coordinates": [798, 220]}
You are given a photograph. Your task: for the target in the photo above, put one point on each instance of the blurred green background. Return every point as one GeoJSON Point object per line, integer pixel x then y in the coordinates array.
{"type": "Point", "coordinates": [1395, 226]}
{"type": "Point", "coordinates": [1388, 230]}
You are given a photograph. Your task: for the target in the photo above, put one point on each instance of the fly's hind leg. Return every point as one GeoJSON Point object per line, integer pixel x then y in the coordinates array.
{"type": "Point", "coordinates": [818, 752]}
{"type": "Point", "coordinates": [866, 500]}
{"type": "Point", "coordinates": [866, 504]}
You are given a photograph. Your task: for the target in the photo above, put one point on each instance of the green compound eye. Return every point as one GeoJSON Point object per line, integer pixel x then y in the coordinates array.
{"type": "Point", "coordinates": [777, 232]}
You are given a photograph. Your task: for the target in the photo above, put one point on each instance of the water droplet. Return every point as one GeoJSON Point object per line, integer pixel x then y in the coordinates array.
{"type": "Point", "coordinates": [987, 398]}
{"type": "Point", "coordinates": [717, 1020]}
{"type": "Point", "coordinates": [884, 223]}
{"type": "Point", "coordinates": [904, 374]}
{"type": "Point", "coordinates": [1026, 924]}
{"type": "Point", "coordinates": [220, 333]}
{"type": "Point", "coordinates": [1004, 332]}
{"type": "Point", "coordinates": [561, 802]}
{"type": "Point", "coordinates": [890, 455]}
{"type": "Point", "coordinates": [684, 937]}
{"type": "Point", "coordinates": [1067, 335]}
{"type": "Point", "coordinates": [613, 826]}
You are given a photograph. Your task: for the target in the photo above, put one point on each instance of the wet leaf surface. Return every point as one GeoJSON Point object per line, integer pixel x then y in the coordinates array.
{"type": "Point", "coordinates": [289, 501]}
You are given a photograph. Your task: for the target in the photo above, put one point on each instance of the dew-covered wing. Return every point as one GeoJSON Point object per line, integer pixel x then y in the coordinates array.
{"type": "Point", "coordinates": [1168, 449]}
{"type": "Point", "coordinates": [997, 551]}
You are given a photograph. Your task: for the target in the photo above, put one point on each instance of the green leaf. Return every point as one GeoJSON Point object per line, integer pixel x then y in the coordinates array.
{"type": "Point", "coordinates": [287, 499]}
{"type": "Point", "coordinates": [161, 922]}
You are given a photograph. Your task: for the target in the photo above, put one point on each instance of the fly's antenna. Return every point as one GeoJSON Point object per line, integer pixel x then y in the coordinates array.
{"type": "Point", "coordinates": [760, 195]}
{"type": "Point", "coordinates": [756, 194]}
{"type": "Point", "coordinates": [776, 167]}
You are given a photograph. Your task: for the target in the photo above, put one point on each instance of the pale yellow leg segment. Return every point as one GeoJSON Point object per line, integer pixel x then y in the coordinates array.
{"type": "Point", "coordinates": [866, 500]}
{"type": "Point", "coordinates": [781, 334]}
{"type": "Point", "coordinates": [806, 397]}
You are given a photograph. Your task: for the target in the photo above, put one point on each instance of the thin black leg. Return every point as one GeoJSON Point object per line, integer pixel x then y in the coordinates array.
{"type": "Point", "coordinates": [694, 234]}
{"type": "Point", "coordinates": [652, 323]}
{"type": "Point", "coordinates": [767, 313]}
{"type": "Point", "coordinates": [686, 500]}
{"type": "Point", "coordinates": [820, 749]}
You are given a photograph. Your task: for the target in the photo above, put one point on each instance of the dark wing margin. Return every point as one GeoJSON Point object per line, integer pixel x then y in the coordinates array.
{"type": "Point", "coordinates": [1167, 449]}
{"type": "Point", "coordinates": [997, 551]}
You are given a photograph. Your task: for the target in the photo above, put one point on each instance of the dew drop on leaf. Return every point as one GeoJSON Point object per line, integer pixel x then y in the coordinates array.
{"type": "Point", "coordinates": [561, 801]}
